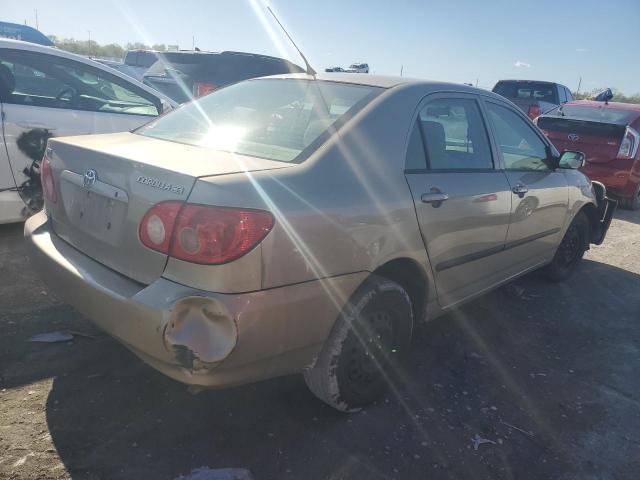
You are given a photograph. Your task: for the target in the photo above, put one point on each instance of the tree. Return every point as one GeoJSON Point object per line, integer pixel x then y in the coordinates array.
{"type": "Point", "coordinates": [94, 49]}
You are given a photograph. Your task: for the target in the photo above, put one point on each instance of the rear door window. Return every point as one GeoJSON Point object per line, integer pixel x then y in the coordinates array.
{"type": "Point", "coordinates": [454, 136]}
{"type": "Point", "coordinates": [569, 95]}
{"type": "Point", "coordinates": [416, 158]}
{"type": "Point", "coordinates": [563, 94]}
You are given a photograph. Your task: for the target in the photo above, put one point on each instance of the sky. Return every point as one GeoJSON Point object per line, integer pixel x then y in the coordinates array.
{"type": "Point", "coordinates": [453, 40]}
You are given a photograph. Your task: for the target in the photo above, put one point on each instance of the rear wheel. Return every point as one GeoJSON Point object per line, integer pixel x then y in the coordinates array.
{"type": "Point", "coordinates": [571, 249]}
{"type": "Point", "coordinates": [363, 352]}
{"type": "Point", "coordinates": [633, 202]}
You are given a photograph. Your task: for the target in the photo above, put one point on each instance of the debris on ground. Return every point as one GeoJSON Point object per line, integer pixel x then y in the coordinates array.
{"type": "Point", "coordinates": [478, 440]}
{"type": "Point", "coordinates": [529, 434]}
{"type": "Point", "coordinates": [52, 337]}
{"type": "Point", "coordinates": [518, 291]}
{"type": "Point", "coordinates": [58, 336]}
{"type": "Point", "coordinates": [195, 389]}
{"type": "Point", "coordinates": [206, 473]}
{"type": "Point", "coordinates": [76, 333]}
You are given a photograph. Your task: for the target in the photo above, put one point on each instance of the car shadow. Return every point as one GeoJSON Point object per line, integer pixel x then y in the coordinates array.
{"type": "Point", "coordinates": [627, 215]}
{"type": "Point", "coordinates": [521, 383]}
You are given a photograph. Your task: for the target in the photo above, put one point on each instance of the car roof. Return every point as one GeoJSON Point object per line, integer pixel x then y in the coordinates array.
{"type": "Point", "coordinates": [6, 43]}
{"type": "Point", "coordinates": [210, 53]}
{"type": "Point", "coordinates": [528, 81]}
{"type": "Point", "coordinates": [612, 105]}
{"type": "Point", "coordinates": [30, 34]}
{"type": "Point", "coordinates": [388, 81]}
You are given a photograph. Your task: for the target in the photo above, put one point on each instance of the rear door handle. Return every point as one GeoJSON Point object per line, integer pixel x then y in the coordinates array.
{"type": "Point", "coordinates": [520, 190]}
{"type": "Point", "coordinates": [33, 125]}
{"type": "Point", "coordinates": [435, 198]}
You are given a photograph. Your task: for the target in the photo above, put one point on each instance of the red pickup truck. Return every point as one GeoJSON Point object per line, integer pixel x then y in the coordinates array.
{"type": "Point", "coordinates": [533, 97]}
{"type": "Point", "coordinates": [607, 133]}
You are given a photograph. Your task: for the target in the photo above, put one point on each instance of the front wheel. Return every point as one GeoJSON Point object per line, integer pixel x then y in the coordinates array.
{"type": "Point", "coordinates": [571, 249]}
{"type": "Point", "coordinates": [361, 355]}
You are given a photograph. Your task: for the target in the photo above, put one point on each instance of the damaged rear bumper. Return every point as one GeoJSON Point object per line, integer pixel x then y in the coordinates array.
{"type": "Point", "coordinates": [196, 337]}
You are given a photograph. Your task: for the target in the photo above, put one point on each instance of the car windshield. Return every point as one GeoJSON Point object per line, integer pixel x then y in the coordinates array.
{"type": "Point", "coordinates": [269, 118]}
{"type": "Point", "coordinates": [600, 114]}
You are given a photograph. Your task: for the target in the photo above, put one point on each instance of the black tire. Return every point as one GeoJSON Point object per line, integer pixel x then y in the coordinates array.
{"type": "Point", "coordinates": [365, 346]}
{"type": "Point", "coordinates": [571, 249]}
{"type": "Point", "coordinates": [633, 202]}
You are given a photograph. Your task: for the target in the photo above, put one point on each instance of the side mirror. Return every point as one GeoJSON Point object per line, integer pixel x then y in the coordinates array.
{"type": "Point", "coordinates": [571, 160]}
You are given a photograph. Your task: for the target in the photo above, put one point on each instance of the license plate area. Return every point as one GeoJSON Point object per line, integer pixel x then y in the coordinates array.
{"type": "Point", "coordinates": [98, 210]}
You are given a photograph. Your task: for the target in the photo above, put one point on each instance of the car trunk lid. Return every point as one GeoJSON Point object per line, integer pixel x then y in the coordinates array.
{"type": "Point", "coordinates": [599, 141]}
{"type": "Point", "coordinates": [106, 183]}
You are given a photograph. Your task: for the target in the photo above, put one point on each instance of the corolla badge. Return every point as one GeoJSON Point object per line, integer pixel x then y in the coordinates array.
{"type": "Point", "coordinates": [573, 137]}
{"type": "Point", "coordinates": [90, 177]}
{"type": "Point", "coordinates": [161, 184]}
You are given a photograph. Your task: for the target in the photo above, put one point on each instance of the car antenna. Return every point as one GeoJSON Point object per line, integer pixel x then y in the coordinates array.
{"type": "Point", "coordinates": [310, 70]}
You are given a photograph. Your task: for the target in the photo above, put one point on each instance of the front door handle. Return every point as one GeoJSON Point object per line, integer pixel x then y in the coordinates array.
{"type": "Point", "coordinates": [520, 190]}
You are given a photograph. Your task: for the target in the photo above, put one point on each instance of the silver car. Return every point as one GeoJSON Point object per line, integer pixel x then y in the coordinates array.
{"type": "Point", "coordinates": [300, 224]}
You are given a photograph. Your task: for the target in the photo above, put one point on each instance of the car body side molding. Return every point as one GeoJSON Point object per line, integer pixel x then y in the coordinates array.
{"type": "Point", "coordinates": [454, 262]}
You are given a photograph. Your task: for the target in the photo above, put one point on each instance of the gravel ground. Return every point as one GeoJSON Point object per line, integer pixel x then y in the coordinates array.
{"type": "Point", "coordinates": [542, 376]}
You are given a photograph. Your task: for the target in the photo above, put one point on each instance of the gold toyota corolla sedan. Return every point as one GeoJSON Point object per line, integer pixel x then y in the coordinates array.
{"type": "Point", "coordinates": [305, 224]}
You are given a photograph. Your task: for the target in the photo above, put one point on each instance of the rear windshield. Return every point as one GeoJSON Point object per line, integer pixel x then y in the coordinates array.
{"type": "Point", "coordinates": [140, 58]}
{"type": "Point", "coordinates": [540, 91]}
{"type": "Point", "coordinates": [595, 114]}
{"type": "Point", "coordinates": [184, 63]}
{"type": "Point", "coordinates": [565, 124]}
{"type": "Point", "coordinates": [218, 68]}
{"type": "Point", "coordinates": [269, 118]}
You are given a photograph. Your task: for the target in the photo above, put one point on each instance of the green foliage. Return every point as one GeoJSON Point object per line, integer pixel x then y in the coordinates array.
{"type": "Point", "coordinates": [618, 96]}
{"type": "Point", "coordinates": [111, 50]}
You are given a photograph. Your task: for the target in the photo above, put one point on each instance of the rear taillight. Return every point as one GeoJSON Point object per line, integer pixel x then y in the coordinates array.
{"type": "Point", "coordinates": [203, 234]}
{"type": "Point", "coordinates": [201, 88]}
{"type": "Point", "coordinates": [534, 112]}
{"type": "Point", "coordinates": [629, 146]}
{"type": "Point", "coordinates": [157, 225]}
{"type": "Point", "coordinates": [46, 179]}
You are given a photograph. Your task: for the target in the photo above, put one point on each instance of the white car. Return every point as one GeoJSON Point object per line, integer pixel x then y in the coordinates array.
{"type": "Point", "coordinates": [46, 92]}
{"type": "Point", "coordinates": [358, 68]}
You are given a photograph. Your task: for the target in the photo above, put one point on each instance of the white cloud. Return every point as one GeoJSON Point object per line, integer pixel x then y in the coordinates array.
{"type": "Point", "coordinates": [520, 64]}
{"type": "Point", "coordinates": [582, 50]}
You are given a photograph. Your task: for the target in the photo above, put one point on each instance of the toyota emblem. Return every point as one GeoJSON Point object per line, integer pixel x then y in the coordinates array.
{"type": "Point", "coordinates": [90, 178]}
{"type": "Point", "coordinates": [573, 137]}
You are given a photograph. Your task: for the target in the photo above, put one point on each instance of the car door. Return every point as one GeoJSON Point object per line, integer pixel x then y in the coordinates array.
{"type": "Point", "coordinates": [540, 194]}
{"type": "Point", "coordinates": [462, 201]}
{"type": "Point", "coordinates": [52, 96]}
{"type": "Point", "coordinates": [11, 205]}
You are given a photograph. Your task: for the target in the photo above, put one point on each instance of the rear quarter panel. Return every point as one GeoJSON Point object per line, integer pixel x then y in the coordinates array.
{"type": "Point", "coordinates": [346, 209]}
